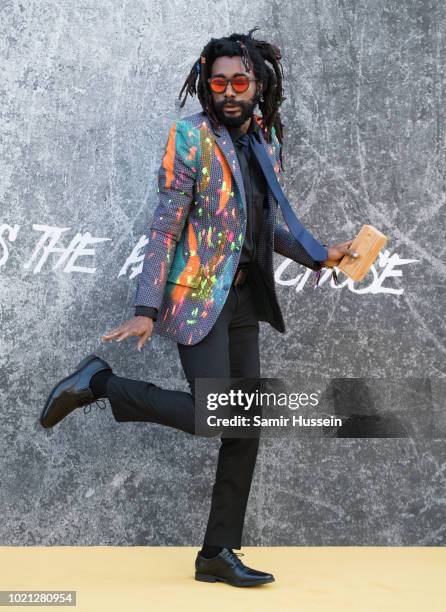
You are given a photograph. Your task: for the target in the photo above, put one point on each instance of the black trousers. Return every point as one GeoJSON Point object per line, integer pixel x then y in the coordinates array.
{"type": "Point", "coordinates": [230, 349]}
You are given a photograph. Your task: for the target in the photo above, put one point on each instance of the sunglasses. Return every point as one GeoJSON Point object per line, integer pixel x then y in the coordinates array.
{"type": "Point", "coordinates": [239, 84]}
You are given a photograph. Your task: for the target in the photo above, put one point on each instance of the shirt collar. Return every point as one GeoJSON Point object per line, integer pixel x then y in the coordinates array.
{"type": "Point", "coordinates": [235, 132]}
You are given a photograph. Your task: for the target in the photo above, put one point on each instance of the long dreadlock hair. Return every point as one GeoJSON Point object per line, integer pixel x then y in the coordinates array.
{"type": "Point", "coordinates": [254, 54]}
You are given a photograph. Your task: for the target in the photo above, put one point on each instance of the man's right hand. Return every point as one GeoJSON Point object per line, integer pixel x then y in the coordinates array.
{"type": "Point", "coordinates": [138, 326]}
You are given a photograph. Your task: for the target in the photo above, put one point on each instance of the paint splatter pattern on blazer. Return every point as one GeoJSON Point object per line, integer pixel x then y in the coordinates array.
{"type": "Point", "coordinates": [197, 230]}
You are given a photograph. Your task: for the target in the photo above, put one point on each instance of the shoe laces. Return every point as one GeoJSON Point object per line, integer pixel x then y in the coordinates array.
{"type": "Point", "coordinates": [234, 556]}
{"type": "Point", "coordinates": [87, 408]}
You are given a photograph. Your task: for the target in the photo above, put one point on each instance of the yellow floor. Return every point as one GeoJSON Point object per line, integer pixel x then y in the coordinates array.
{"type": "Point", "coordinates": [140, 579]}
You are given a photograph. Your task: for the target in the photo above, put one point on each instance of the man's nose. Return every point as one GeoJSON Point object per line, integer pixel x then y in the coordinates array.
{"type": "Point", "coordinates": [229, 90]}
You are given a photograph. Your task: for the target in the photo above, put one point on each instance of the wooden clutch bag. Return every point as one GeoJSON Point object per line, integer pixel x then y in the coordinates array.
{"type": "Point", "coordinates": [368, 243]}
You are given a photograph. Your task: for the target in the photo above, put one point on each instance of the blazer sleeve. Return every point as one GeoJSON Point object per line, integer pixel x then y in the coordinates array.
{"type": "Point", "coordinates": [284, 242]}
{"type": "Point", "coordinates": [176, 179]}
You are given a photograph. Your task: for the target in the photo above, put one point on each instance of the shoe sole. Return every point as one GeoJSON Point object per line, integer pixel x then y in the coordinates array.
{"type": "Point", "coordinates": [210, 578]}
{"type": "Point", "coordinates": [79, 367]}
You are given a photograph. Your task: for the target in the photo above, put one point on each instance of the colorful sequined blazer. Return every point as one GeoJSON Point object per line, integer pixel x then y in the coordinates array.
{"type": "Point", "coordinates": [197, 232]}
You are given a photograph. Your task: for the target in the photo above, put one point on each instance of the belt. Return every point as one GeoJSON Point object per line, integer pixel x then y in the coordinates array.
{"type": "Point", "coordinates": [240, 276]}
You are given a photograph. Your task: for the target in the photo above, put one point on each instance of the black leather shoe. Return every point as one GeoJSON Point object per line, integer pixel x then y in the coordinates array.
{"type": "Point", "coordinates": [227, 567]}
{"type": "Point", "coordinates": [73, 391]}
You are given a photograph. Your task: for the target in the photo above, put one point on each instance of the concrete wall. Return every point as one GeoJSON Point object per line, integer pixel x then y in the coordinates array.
{"type": "Point", "coordinates": [87, 94]}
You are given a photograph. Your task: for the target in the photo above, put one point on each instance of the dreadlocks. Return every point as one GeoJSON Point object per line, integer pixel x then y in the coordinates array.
{"type": "Point", "coordinates": [254, 54]}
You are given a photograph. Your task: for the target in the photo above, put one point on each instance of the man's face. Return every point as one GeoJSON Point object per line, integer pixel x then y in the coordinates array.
{"type": "Point", "coordinates": [242, 105]}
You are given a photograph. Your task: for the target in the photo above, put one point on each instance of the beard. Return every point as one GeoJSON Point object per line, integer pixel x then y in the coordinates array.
{"type": "Point", "coordinates": [246, 111]}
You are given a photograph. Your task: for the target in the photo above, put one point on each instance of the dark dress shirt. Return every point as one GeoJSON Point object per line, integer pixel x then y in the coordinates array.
{"type": "Point", "coordinates": [255, 186]}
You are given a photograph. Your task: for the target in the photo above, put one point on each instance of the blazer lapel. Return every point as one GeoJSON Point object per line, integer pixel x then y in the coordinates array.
{"type": "Point", "coordinates": [268, 147]}
{"type": "Point", "coordinates": [272, 203]}
{"type": "Point", "coordinates": [226, 146]}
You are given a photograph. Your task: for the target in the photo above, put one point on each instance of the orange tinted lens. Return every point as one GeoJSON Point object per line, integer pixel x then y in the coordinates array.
{"type": "Point", "coordinates": [218, 85]}
{"type": "Point", "coordinates": [240, 84]}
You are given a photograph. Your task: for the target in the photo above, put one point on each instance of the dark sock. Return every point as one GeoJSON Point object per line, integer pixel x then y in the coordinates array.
{"type": "Point", "coordinates": [210, 551]}
{"type": "Point", "coordinates": [98, 383]}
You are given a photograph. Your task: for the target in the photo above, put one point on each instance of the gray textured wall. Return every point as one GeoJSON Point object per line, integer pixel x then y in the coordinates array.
{"type": "Point", "coordinates": [87, 93]}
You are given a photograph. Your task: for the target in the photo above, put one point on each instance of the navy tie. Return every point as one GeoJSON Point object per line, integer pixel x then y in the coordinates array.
{"type": "Point", "coordinates": [314, 248]}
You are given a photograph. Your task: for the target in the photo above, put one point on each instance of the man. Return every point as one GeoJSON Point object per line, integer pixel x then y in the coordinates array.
{"type": "Point", "coordinates": [207, 277]}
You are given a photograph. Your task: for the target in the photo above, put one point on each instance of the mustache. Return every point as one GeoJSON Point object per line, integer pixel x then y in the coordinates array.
{"type": "Point", "coordinates": [243, 105]}
{"type": "Point", "coordinates": [221, 105]}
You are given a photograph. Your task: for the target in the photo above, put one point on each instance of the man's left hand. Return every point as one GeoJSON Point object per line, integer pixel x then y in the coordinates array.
{"type": "Point", "coordinates": [337, 252]}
